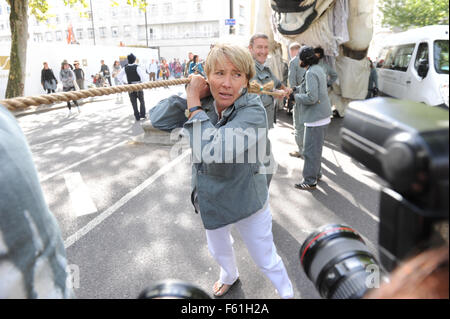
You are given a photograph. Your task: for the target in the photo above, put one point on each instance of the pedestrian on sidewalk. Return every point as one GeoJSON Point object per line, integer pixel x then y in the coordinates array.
{"type": "Point", "coordinates": [296, 74]}
{"type": "Point", "coordinates": [115, 72]}
{"type": "Point", "coordinates": [134, 74]}
{"type": "Point", "coordinates": [67, 78]}
{"type": "Point", "coordinates": [152, 70]}
{"type": "Point", "coordinates": [104, 70]}
{"type": "Point", "coordinates": [233, 189]}
{"type": "Point", "coordinates": [79, 75]}
{"type": "Point", "coordinates": [312, 95]}
{"type": "Point", "coordinates": [373, 81]}
{"type": "Point", "coordinates": [48, 79]}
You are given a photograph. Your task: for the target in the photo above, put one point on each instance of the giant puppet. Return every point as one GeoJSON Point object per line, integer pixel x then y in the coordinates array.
{"type": "Point", "coordinates": [343, 28]}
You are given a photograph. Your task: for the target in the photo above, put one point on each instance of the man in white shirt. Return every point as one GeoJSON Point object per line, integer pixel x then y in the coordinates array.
{"type": "Point", "coordinates": [134, 74]}
{"type": "Point", "coordinates": [152, 70]}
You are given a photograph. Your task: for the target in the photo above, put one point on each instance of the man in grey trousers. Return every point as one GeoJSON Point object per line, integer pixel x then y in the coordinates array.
{"type": "Point", "coordinates": [296, 74]}
{"type": "Point", "coordinates": [312, 95]}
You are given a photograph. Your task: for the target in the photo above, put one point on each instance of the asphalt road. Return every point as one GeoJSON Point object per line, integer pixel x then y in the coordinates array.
{"type": "Point", "coordinates": [124, 207]}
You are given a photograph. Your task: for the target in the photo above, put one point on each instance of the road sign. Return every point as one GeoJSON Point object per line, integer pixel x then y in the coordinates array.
{"type": "Point", "coordinates": [230, 21]}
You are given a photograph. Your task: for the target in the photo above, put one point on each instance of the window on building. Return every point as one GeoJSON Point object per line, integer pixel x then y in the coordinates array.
{"type": "Point", "coordinates": [58, 35]}
{"type": "Point", "coordinates": [127, 30]}
{"type": "Point", "coordinates": [2, 27]}
{"type": "Point", "coordinates": [198, 6]}
{"type": "Point", "coordinates": [90, 33]}
{"type": "Point", "coordinates": [115, 32]}
{"type": "Point", "coordinates": [67, 17]}
{"type": "Point", "coordinates": [241, 29]}
{"type": "Point", "coordinates": [242, 11]}
{"type": "Point", "coordinates": [150, 33]}
{"type": "Point", "coordinates": [114, 12]}
{"type": "Point", "coordinates": [37, 37]}
{"type": "Point", "coordinates": [48, 36]}
{"type": "Point", "coordinates": [153, 10]}
{"type": "Point", "coordinates": [79, 34]}
{"type": "Point", "coordinates": [102, 32]}
{"type": "Point", "coordinates": [167, 7]}
{"type": "Point", "coordinates": [141, 32]}
{"type": "Point", "coordinates": [126, 11]}
{"type": "Point", "coordinates": [181, 7]}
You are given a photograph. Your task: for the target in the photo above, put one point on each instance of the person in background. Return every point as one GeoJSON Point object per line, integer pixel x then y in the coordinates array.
{"type": "Point", "coordinates": [48, 79]}
{"type": "Point", "coordinates": [152, 70]}
{"type": "Point", "coordinates": [33, 262]}
{"type": "Point", "coordinates": [196, 67]}
{"type": "Point", "coordinates": [188, 63]}
{"type": "Point", "coordinates": [104, 70]}
{"type": "Point", "coordinates": [165, 70]}
{"type": "Point", "coordinates": [115, 72]}
{"type": "Point", "coordinates": [226, 191]}
{"type": "Point", "coordinates": [178, 70]}
{"type": "Point", "coordinates": [79, 75]}
{"type": "Point", "coordinates": [134, 74]}
{"type": "Point", "coordinates": [329, 72]}
{"type": "Point", "coordinates": [312, 95]}
{"type": "Point", "coordinates": [373, 81]}
{"type": "Point", "coordinates": [259, 49]}
{"type": "Point", "coordinates": [67, 78]}
{"type": "Point", "coordinates": [296, 75]}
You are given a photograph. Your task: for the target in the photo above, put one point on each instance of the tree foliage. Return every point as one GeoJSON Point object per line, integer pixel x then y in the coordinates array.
{"type": "Point", "coordinates": [413, 13]}
{"type": "Point", "coordinates": [39, 8]}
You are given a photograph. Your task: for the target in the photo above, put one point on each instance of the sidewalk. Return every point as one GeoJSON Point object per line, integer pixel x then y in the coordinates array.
{"type": "Point", "coordinates": [56, 106]}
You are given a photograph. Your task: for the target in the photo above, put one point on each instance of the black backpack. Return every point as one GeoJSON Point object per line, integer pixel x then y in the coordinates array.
{"type": "Point", "coordinates": [292, 6]}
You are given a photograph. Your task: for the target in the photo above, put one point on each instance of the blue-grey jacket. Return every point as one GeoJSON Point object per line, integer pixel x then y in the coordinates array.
{"type": "Point", "coordinates": [264, 75]}
{"type": "Point", "coordinates": [33, 260]}
{"type": "Point", "coordinates": [313, 95]}
{"type": "Point", "coordinates": [228, 185]}
{"type": "Point", "coordinates": [296, 72]}
{"type": "Point", "coordinates": [331, 74]}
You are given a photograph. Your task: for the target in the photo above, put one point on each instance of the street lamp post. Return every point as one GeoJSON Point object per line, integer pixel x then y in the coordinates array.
{"type": "Point", "coordinates": [231, 17]}
{"type": "Point", "coordinates": [92, 21]}
{"type": "Point", "coordinates": [146, 26]}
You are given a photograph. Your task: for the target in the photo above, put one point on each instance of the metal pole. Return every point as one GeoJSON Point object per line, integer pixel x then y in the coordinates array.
{"type": "Point", "coordinates": [146, 26]}
{"type": "Point", "coordinates": [92, 20]}
{"type": "Point", "coordinates": [231, 17]}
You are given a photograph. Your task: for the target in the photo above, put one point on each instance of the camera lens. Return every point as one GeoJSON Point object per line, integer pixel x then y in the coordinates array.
{"type": "Point", "coordinates": [173, 289]}
{"type": "Point", "coordinates": [336, 259]}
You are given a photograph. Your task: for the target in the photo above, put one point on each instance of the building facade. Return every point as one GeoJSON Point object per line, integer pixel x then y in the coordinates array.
{"type": "Point", "coordinates": [176, 27]}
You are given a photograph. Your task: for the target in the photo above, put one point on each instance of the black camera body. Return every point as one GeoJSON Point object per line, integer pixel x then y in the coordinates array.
{"type": "Point", "coordinates": [406, 144]}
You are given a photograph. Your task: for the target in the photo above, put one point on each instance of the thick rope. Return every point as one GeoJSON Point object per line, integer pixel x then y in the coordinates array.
{"type": "Point", "coordinates": [18, 103]}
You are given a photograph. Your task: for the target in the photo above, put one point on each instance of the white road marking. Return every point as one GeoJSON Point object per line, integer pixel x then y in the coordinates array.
{"type": "Point", "coordinates": [125, 199]}
{"type": "Point", "coordinates": [67, 168]}
{"type": "Point", "coordinates": [82, 203]}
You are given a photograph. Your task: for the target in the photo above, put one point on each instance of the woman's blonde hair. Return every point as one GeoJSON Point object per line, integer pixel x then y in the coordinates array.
{"type": "Point", "coordinates": [239, 56]}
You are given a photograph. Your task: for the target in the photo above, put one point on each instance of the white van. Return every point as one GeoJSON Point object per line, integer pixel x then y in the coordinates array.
{"type": "Point", "coordinates": [413, 65]}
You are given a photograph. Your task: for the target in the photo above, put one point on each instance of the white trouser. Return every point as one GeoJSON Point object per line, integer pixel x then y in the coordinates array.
{"type": "Point", "coordinates": [256, 231]}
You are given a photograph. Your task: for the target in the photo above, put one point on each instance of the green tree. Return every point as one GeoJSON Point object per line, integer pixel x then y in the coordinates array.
{"type": "Point", "coordinates": [18, 21]}
{"type": "Point", "coordinates": [413, 13]}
